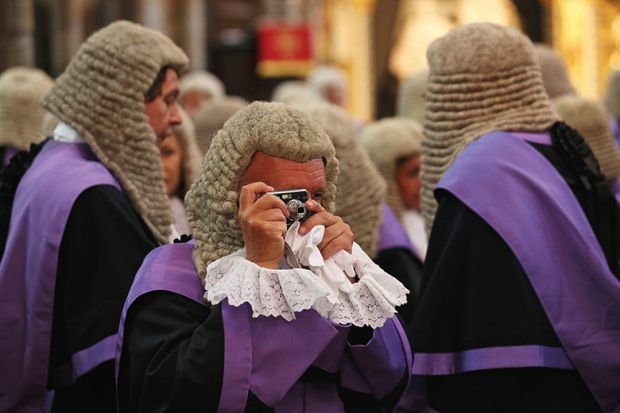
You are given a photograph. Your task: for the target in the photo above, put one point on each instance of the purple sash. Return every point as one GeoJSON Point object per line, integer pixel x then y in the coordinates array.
{"type": "Point", "coordinates": [525, 200]}
{"type": "Point", "coordinates": [43, 201]}
{"type": "Point", "coordinates": [262, 354]}
{"type": "Point", "coordinates": [392, 234]}
{"type": "Point", "coordinates": [166, 268]}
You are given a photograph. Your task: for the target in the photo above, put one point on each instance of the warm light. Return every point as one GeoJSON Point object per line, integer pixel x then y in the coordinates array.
{"type": "Point", "coordinates": [615, 26]}
{"type": "Point", "coordinates": [426, 20]}
{"type": "Point", "coordinates": [586, 33]}
{"type": "Point", "coordinates": [614, 61]}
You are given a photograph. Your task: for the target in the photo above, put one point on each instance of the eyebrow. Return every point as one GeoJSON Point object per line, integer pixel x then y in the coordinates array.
{"type": "Point", "coordinates": [321, 188]}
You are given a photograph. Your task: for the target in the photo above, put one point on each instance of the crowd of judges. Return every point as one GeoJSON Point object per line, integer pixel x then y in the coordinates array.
{"type": "Point", "coordinates": [462, 256]}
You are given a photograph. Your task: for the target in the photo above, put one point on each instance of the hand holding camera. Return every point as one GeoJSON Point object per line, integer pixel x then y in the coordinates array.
{"type": "Point", "coordinates": [338, 235]}
{"type": "Point", "coordinates": [265, 214]}
{"type": "Point", "coordinates": [263, 224]}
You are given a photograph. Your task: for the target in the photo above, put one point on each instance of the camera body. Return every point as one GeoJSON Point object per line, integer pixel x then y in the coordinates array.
{"type": "Point", "coordinates": [295, 201]}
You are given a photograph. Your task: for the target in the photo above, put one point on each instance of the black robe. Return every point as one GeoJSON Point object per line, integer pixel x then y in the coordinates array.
{"type": "Point", "coordinates": [476, 294]}
{"type": "Point", "coordinates": [173, 359]}
{"type": "Point", "coordinates": [103, 245]}
{"type": "Point", "coordinates": [406, 268]}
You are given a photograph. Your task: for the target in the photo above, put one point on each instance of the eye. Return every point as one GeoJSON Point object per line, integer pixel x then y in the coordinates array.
{"type": "Point", "coordinates": [317, 195]}
{"type": "Point", "coordinates": [171, 99]}
{"type": "Point", "coordinates": [414, 173]}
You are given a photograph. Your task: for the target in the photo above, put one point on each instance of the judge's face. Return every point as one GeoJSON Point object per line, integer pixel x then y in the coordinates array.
{"type": "Point", "coordinates": [408, 181]}
{"type": "Point", "coordinates": [282, 174]}
{"type": "Point", "coordinates": [172, 160]}
{"type": "Point", "coordinates": [335, 94]}
{"type": "Point", "coordinates": [163, 111]}
{"type": "Point", "coordinates": [193, 101]}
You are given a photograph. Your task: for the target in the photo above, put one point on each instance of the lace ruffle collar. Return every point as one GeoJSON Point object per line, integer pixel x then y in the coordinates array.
{"type": "Point", "coordinates": [322, 285]}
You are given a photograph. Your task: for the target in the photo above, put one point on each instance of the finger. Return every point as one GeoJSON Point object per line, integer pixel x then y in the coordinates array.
{"type": "Point", "coordinates": [321, 218]}
{"type": "Point", "coordinates": [314, 206]}
{"type": "Point", "coordinates": [262, 221]}
{"type": "Point", "coordinates": [278, 228]}
{"type": "Point", "coordinates": [283, 229]}
{"type": "Point", "coordinates": [267, 202]}
{"type": "Point", "coordinates": [336, 245]}
{"type": "Point", "coordinates": [331, 234]}
{"type": "Point", "coordinates": [342, 243]}
{"type": "Point", "coordinates": [248, 193]}
{"type": "Point", "coordinates": [272, 215]}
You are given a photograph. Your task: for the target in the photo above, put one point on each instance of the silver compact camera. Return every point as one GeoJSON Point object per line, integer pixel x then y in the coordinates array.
{"type": "Point", "coordinates": [295, 200]}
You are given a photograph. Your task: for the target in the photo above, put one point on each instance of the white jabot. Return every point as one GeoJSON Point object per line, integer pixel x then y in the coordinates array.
{"type": "Point", "coordinates": [65, 133]}
{"type": "Point", "coordinates": [414, 225]}
{"type": "Point", "coordinates": [174, 234]}
{"type": "Point", "coordinates": [179, 215]}
{"type": "Point", "coordinates": [322, 285]}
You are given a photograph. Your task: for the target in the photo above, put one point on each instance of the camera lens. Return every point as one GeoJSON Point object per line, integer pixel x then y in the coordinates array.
{"type": "Point", "coordinates": [296, 209]}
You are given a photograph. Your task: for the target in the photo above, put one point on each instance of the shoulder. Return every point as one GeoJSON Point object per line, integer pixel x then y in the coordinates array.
{"type": "Point", "coordinates": [108, 206]}
{"type": "Point", "coordinates": [491, 150]}
{"type": "Point", "coordinates": [75, 162]}
{"type": "Point", "coordinates": [496, 162]}
{"type": "Point", "coordinates": [99, 196]}
{"type": "Point", "coordinates": [60, 173]}
{"type": "Point", "coordinates": [105, 215]}
{"type": "Point", "coordinates": [396, 254]}
{"type": "Point", "coordinates": [169, 268]}
{"type": "Point", "coordinates": [178, 254]}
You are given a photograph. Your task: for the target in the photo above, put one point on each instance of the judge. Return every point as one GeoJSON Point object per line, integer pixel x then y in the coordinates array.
{"type": "Point", "coordinates": [83, 216]}
{"type": "Point", "coordinates": [198, 88]}
{"type": "Point", "coordinates": [230, 322]}
{"type": "Point", "coordinates": [181, 158]}
{"type": "Point", "coordinates": [520, 291]}
{"type": "Point", "coordinates": [395, 147]}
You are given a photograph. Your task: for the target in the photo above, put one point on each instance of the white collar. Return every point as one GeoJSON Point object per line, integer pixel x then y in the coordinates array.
{"type": "Point", "coordinates": [65, 133]}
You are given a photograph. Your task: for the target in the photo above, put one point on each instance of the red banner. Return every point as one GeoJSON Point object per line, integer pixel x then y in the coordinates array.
{"type": "Point", "coordinates": [284, 50]}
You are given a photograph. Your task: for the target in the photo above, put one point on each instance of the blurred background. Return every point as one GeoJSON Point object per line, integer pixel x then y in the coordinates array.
{"type": "Point", "coordinates": [252, 45]}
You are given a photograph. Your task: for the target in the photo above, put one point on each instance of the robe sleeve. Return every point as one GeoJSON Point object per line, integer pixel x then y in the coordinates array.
{"type": "Point", "coordinates": [172, 358]}
{"type": "Point", "coordinates": [179, 355]}
{"type": "Point", "coordinates": [407, 269]}
{"type": "Point", "coordinates": [381, 367]}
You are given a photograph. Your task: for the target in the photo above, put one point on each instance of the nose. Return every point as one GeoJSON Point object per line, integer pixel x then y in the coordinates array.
{"type": "Point", "coordinates": [175, 115]}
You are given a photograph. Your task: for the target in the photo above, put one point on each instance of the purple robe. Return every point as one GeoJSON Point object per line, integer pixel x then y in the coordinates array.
{"type": "Point", "coordinates": [261, 355]}
{"type": "Point", "coordinates": [392, 234]}
{"type": "Point", "coordinates": [43, 201]}
{"type": "Point", "coordinates": [527, 202]}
